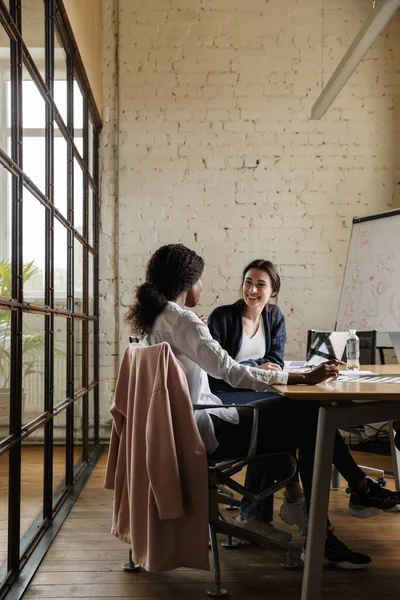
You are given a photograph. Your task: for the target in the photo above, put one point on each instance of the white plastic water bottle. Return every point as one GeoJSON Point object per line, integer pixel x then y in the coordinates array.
{"type": "Point", "coordinates": [353, 351]}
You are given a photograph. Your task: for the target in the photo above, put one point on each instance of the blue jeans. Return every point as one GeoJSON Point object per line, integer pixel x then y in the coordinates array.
{"type": "Point", "coordinates": [257, 479]}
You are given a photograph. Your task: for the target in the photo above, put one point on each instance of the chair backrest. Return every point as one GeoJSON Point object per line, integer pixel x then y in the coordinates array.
{"type": "Point", "coordinates": [367, 345]}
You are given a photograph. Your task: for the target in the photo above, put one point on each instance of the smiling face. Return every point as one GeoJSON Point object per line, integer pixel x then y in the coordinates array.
{"type": "Point", "coordinates": [257, 288]}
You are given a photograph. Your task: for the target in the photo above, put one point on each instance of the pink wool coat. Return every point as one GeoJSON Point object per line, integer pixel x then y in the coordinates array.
{"type": "Point", "coordinates": [157, 463]}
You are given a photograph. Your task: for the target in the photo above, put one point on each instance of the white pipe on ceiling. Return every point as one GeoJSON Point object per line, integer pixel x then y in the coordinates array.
{"type": "Point", "coordinates": [381, 14]}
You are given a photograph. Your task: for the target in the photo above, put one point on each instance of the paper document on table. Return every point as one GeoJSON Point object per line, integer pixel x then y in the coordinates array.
{"type": "Point", "coordinates": [356, 373]}
{"type": "Point", "coordinates": [371, 379]}
{"type": "Point", "coordinates": [295, 366]}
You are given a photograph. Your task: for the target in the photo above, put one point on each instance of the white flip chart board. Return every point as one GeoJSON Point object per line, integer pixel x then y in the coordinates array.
{"type": "Point", "coordinates": [370, 296]}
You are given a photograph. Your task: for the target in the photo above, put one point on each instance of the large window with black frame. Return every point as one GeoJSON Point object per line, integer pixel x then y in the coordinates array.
{"type": "Point", "coordinates": [49, 414]}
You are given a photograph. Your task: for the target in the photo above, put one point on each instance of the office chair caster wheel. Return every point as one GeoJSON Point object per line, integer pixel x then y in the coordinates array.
{"type": "Point", "coordinates": [231, 543]}
{"type": "Point", "coordinates": [290, 564]}
{"type": "Point", "coordinates": [131, 566]}
{"type": "Point", "coordinates": [217, 592]}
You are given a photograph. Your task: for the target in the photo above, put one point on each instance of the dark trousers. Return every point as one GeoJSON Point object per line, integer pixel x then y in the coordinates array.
{"type": "Point", "coordinates": [283, 426]}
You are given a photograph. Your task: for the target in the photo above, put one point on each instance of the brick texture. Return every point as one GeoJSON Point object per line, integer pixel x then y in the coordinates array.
{"type": "Point", "coordinates": [216, 149]}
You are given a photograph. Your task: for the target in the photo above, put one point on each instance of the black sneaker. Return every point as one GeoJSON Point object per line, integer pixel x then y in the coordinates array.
{"type": "Point", "coordinates": [376, 499]}
{"type": "Point", "coordinates": [337, 553]}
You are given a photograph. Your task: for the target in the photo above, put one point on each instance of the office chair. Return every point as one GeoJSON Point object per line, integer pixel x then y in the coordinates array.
{"type": "Point", "coordinates": [367, 357]}
{"type": "Point", "coordinates": [367, 345]}
{"type": "Point", "coordinates": [220, 477]}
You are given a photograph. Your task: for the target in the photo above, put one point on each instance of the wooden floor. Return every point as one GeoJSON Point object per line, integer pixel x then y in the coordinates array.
{"type": "Point", "coordinates": [31, 487]}
{"type": "Point", "coordinates": [85, 560]}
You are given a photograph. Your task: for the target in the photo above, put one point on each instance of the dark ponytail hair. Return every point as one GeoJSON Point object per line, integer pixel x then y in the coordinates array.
{"type": "Point", "coordinates": [171, 270]}
{"type": "Point", "coordinates": [269, 268]}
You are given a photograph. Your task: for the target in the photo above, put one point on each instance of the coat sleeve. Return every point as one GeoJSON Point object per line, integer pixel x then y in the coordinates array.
{"type": "Point", "coordinates": [118, 420]}
{"type": "Point", "coordinates": [161, 458]}
{"type": "Point", "coordinates": [112, 460]}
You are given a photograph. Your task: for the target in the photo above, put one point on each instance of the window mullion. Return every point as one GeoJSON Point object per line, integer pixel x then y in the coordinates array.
{"type": "Point", "coordinates": [49, 264]}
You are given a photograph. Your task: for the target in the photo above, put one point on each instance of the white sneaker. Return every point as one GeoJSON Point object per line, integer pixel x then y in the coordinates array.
{"type": "Point", "coordinates": [266, 530]}
{"type": "Point", "coordinates": [294, 513]}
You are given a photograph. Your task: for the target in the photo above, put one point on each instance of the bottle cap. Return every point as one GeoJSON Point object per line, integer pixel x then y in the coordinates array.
{"type": "Point", "coordinates": [352, 332]}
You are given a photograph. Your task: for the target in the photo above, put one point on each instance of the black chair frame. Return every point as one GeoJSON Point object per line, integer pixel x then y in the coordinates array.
{"type": "Point", "coordinates": [220, 473]}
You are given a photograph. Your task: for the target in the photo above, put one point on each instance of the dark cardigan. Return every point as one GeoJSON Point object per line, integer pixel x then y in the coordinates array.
{"type": "Point", "coordinates": [226, 326]}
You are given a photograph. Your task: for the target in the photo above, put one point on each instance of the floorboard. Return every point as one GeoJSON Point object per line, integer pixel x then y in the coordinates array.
{"type": "Point", "coordinates": [85, 560]}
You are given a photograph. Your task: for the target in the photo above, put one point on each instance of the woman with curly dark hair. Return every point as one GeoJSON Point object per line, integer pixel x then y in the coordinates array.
{"type": "Point", "coordinates": [173, 281]}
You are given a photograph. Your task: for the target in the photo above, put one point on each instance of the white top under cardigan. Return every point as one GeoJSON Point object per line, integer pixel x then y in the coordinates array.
{"type": "Point", "coordinates": [252, 347]}
{"type": "Point", "coordinates": [192, 344]}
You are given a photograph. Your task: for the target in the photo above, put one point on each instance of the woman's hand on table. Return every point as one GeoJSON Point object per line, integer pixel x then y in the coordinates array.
{"type": "Point", "coordinates": [328, 370]}
{"type": "Point", "coordinates": [268, 366]}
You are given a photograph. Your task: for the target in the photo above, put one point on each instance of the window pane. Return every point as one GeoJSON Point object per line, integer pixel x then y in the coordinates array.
{"type": "Point", "coordinates": [32, 478]}
{"type": "Point", "coordinates": [33, 20]}
{"type": "Point", "coordinates": [34, 121]}
{"type": "Point", "coordinates": [34, 220]}
{"type": "Point", "coordinates": [90, 216]}
{"type": "Point", "coordinates": [78, 117]}
{"type": "Point", "coordinates": [60, 264]}
{"type": "Point", "coordinates": [60, 77]}
{"type": "Point", "coordinates": [32, 367]}
{"type": "Point", "coordinates": [60, 172]}
{"type": "Point", "coordinates": [90, 145]}
{"type": "Point", "coordinates": [91, 282]}
{"type": "Point", "coordinates": [5, 232]}
{"type": "Point", "coordinates": [91, 417]}
{"type": "Point", "coordinates": [78, 275]}
{"type": "Point", "coordinates": [5, 372]}
{"type": "Point", "coordinates": [5, 132]}
{"type": "Point", "coordinates": [78, 429]}
{"type": "Point", "coordinates": [4, 460]}
{"type": "Point", "coordinates": [78, 197]}
{"type": "Point", "coordinates": [59, 454]}
{"type": "Point", "coordinates": [60, 360]}
{"type": "Point", "coordinates": [78, 354]}
{"type": "Point", "coordinates": [91, 351]}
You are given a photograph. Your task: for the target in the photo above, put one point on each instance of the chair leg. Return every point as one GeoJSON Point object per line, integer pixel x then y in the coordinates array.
{"type": "Point", "coordinates": [290, 564]}
{"type": "Point", "coordinates": [216, 591]}
{"type": "Point", "coordinates": [130, 565]}
{"type": "Point", "coordinates": [382, 356]}
{"type": "Point", "coordinates": [335, 479]}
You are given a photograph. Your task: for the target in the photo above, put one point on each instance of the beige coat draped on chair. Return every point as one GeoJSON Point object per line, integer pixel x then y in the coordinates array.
{"type": "Point", "coordinates": [157, 463]}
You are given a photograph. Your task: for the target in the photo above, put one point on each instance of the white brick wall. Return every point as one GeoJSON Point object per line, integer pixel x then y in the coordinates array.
{"type": "Point", "coordinates": [217, 150]}
{"type": "Point", "coordinates": [108, 285]}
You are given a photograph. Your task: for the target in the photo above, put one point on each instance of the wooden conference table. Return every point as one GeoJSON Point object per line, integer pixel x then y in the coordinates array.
{"type": "Point", "coordinates": [342, 405]}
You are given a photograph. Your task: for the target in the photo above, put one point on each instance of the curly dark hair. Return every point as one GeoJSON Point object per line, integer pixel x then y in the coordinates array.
{"type": "Point", "coordinates": [171, 270]}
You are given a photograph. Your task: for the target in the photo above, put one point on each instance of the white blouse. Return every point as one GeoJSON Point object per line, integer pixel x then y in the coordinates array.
{"type": "Point", "coordinates": [192, 344]}
{"type": "Point", "coordinates": [254, 347]}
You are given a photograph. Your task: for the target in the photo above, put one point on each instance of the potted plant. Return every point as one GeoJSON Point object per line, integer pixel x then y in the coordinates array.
{"type": "Point", "coordinates": [32, 343]}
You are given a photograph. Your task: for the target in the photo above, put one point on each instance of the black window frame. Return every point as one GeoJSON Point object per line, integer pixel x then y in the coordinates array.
{"type": "Point", "coordinates": [24, 554]}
